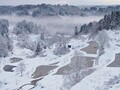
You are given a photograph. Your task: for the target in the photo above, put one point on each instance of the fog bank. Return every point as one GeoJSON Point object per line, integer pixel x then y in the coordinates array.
{"type": "Point", "coordinates": [54, 24]}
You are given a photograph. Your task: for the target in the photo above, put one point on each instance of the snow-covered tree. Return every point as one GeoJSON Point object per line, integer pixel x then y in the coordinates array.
{"type": "Point", "coordinates": [24, 41]}
{"type": "Point", "coordinates": [58, 38]}
{"type": "Point", "coordinates": [61, 49]}
{"type": "Point", "coordinates": [42, 37]}
{"type": "Point", "coordinates": [1, 65]}
{"type": "Point", "coordinates": [102, 39]}
{"type": "Point", "coordinates": [5, 41]}
{"type": "Point", "coordinates": [0, 84]}
{"type": "Point", "coordinates": [4, 24]}
{"type": "Point", "coordinates": [26, 27]}
{"type": "Point", "coordinates": [25, 31]}
{"type": "Point", "coordinates": [76, 30]}
{"type": "Point", "coordinates": [60, 42]}
{"type": "Point", "coordinates": [22, 13]}
{"type": "Point", "coordinates": [21, 69]}
{"type": "Point", "coordinates": [41, 44]}
{"type": "Point", "coordinates": [3, 47]}
{"type": "Point", "coordinates": [38, 49]}
{"type": "Point", "coordinates": [74, 75]}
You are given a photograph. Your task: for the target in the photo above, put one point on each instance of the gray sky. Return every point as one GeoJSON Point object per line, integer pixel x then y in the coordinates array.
{"type": "Point", "coordinates": [71, 2]}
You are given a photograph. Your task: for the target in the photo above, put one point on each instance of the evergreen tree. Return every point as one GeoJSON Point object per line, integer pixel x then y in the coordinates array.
{"type": "Point", "coordinates": [38, 49]}
{"type": "Point", "coordinates": [76, 30]}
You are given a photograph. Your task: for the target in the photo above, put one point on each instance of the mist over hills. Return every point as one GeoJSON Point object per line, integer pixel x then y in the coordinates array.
{"type": "Point", "coordinates": [59, 47]}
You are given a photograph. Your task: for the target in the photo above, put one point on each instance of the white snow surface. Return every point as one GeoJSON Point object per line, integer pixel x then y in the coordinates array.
{"type": "Point", "coordinates": [98, 80]}
{"type": "Point", "coordinates": [94, 81]}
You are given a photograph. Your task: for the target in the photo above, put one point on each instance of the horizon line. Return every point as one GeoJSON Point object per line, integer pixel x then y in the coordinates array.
{"type": "Point", "coordinates": [66, 4]}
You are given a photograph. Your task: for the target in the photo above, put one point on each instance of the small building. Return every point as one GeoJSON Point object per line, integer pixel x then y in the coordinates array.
{"type": "Point", "coordinates": [69, 46]}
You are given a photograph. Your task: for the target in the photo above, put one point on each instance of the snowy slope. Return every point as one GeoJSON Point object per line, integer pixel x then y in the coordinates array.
{"type": "Point", "coordinates": [14, 81]}
{"type": "Point", "coordinates": [98, 80]}
{"type": "Point", "coordinates": [104, 77]}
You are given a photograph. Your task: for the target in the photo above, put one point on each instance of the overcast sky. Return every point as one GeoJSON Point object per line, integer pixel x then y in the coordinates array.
{"type": "Point", "coordinates": [71, 2]}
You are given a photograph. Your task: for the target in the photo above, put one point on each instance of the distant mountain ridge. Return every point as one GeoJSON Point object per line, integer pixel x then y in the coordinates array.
{"type": "Point", "coordinates": [55, 10]}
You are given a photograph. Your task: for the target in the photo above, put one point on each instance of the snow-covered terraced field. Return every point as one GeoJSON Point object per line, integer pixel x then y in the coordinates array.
{"type": "Point", "coordinates": [47, 72]}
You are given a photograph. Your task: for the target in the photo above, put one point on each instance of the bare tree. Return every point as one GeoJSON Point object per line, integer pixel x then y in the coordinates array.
{"type": "Point", "coordinates": [74, 75]}
{"type": "Point", "coordinates": [21, 68]}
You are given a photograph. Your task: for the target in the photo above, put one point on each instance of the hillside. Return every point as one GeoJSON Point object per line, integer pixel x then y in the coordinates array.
{"type": "Point", "coordinates": [110, 21]}
{"type": "Point", "coordinates": [35, 58]}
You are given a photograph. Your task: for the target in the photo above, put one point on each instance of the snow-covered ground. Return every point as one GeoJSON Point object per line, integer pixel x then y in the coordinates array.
{"type": "Point", "coordinates": [98, 80]}
{"type": "Point", "coordinates": [15, 81]}
{"type": "Point", "coordinates": [101, 78]}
